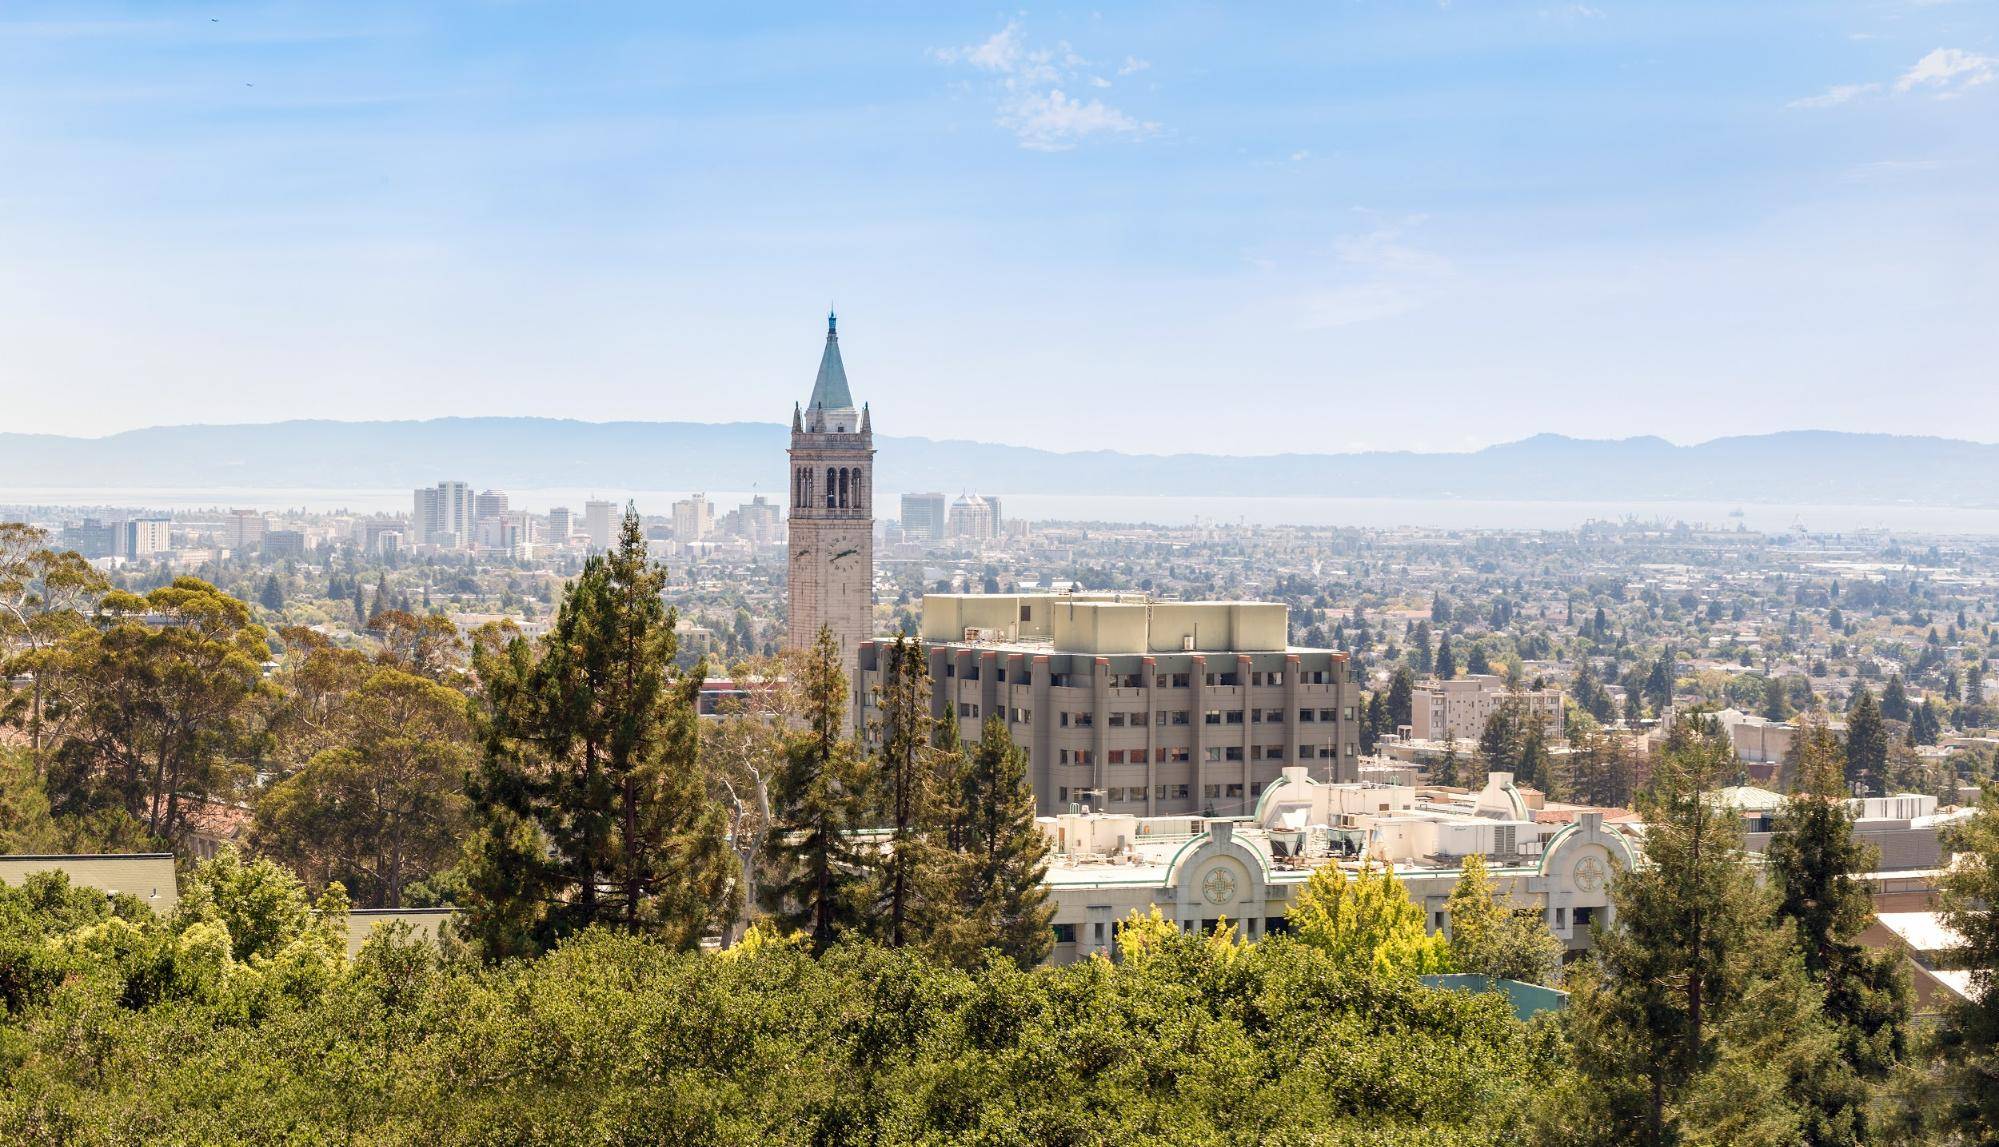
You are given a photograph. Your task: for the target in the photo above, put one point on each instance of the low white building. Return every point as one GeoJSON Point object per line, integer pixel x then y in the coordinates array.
{"type": "Point", "coordinates": [1247, 871]}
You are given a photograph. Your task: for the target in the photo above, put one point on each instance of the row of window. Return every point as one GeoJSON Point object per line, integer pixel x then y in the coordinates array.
{"type": "Point", "coordinates": [1101, 929]}
{"type": "Point", "coordinates": [1129, 719]}
{"type": "Point", "coordinates": [1160, 681]}
{"type": "Point", "coordinates": [1120, 794]}
{"type": "Point", "coordinates": [1179, 754]}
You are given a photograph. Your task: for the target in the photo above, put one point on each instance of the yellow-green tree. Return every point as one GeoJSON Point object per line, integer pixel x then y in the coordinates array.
{"type": "Point", "coordinates": [1366, 922]}
{"type": "Point", "coordinates": [1490, 938]}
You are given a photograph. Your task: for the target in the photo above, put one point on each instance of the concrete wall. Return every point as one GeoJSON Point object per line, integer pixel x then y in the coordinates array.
{"type": "Point", "coordinates": [362, 922]}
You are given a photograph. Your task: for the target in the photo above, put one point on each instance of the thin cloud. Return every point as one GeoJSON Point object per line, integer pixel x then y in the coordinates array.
{"type": "Point", "coordinates": [1949, 70]}
{"type": "Point", "coordinates": [1834, 96]}
{"type": "Point", "coordinates": [1945, 72]}
{"type": "Point", "coordinates": [1030, 88]}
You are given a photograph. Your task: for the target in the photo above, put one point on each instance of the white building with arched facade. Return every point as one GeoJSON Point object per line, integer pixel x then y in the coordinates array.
{"type": "Point", "coordinates": [1247, 871]}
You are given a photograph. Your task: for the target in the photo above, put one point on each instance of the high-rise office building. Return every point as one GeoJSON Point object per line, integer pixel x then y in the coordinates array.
{"type": "Point", "coordinates": [561, 524]}
{"type": "Point", "coordinates": [923, 517]}
{"type": "Point", "coordinates": [598, 525]}
{"type": "Point", "coordinates": [972, 518]}
{"type": "Point", "coordinates": [832, 540]}
{"type": "Point", "coordinates": [489, 504]}
{"type": "Point", "coordinates": [246, 529]}
{"type": "Point", "coordinates": [91, 538]}
{"type": "Point", "coordinates": [693, 518]}
{"type": "Point", "coordinates": [443, 515]}
{"type": "Point", "coordinates": [147, 536]}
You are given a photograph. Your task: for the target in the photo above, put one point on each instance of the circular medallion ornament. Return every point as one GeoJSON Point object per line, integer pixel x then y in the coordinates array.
{"type": "Point", "coordinates": [1218, 886]}
{"type": "Point", "coordinates": [1590, 874]}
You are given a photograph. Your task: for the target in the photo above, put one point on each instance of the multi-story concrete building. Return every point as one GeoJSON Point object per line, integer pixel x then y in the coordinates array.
{"type": "Point", "coordinates": [147, 536]}
{"type": "Point", "coordinates": [91, 538]}
{"type": "Point", "coordinates": [246, 529]}
{"type": "Point", "coordinates": [1459, 708]}
{"type": "Point", "coordinates": [832, 533]}
{"type": "Point", "coordinates": [923, 517]}
{"type": "Point", "coordinates": [599, 527]}
{"type": "Point", "coordinates": [442, 515]}
{"type": "Point", "coordinates": [489, 504]}
{"type": "Point", "coordinates": [561, 524]}
{"type": "Point", "coordinates": [283, 544]}
{"type": "Point", "coordinates": [757, 520]}
{"type": "Point", "coordinates": [1133, 705]}
{"type": "Point", "coordinates": [693, 518]}
{"type": "Point", "coordinates": [973, 518]}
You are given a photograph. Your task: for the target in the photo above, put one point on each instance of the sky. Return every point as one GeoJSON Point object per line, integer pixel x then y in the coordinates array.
{"type": "Point", "coordinates": [1155, 228]}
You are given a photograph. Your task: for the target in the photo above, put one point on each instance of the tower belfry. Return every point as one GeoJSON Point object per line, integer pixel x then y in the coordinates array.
{"type": "Point", "coordinates": [832, 512]}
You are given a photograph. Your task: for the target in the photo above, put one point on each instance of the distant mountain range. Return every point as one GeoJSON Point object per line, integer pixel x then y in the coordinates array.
{"type": "Point", "coordinates": [1806, 467]}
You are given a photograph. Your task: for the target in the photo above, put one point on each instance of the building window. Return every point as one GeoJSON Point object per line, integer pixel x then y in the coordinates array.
{"type": "Point", "coordinates": [1325, 714]}
{"type": "Point", "coordinates": [1116, 720]}
{"type": "Point", "coordinates": [1585, 917]}
{"type": "Point", "coordinates": [967, 709]}
{"type": "Point", "coordinates": [1256, 788]}
{"type": "Point", "coordinates": [971, 673]}
{"type": "Point", "coordinates": [1274, 677]}
{"type": "Point", "coordinates": [1181, 716]}
{"type": "Point", "coordinates": [1274, 752]}
{"type": "Point", "coordinates": [1234, 716]}
{"type": "Point", "coordinates": [1214, 753]}
{"type": "Point", "coordinates": [1026, 612]}
{"type": "Point", "coordinates": [1136, 719]}
{"type": "Point", "coordinates": [1232, 753]}
{"type": "Point", "coordinates": [1234, 791]}
{"type": "Point", "coordinates": [1178, 755]}
{"type": "Point", "coordinates": [1211, 792]}
{"type": "Point", "coordinates": [1065, 933]}
{"type": "Point", "coordinates": [1213, 717]}
{"type": "Point", "coordinates": [1274, 716]}
{"type": "Point", "coordinates": [1116, 757]}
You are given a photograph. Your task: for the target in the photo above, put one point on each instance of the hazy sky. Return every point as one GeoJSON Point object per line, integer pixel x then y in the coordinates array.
{"type": "Point", "coordinates": [1250, 228]}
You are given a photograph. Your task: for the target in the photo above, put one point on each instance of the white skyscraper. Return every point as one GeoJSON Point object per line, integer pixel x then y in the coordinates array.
{"type": "Point", "coordinates": [442, 515]}
{"type": "Point", "coordinates": [598, 524]}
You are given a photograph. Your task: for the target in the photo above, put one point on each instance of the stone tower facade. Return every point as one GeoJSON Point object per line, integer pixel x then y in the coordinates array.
{"type": "Point", "coordinates": [832, 515]}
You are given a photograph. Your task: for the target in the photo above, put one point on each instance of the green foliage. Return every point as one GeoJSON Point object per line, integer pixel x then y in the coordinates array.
{"type": "Point", "coordinates": [385, 809]}
{"type": "Point", "coordinates": [146, 714]}
{"type": "Point", "coordinates": [1866, 744]}
{"type": "Point", "coordinates": [1813, 860]}
{"type": "Point", "coordinates": [816, 870]}
{"type": "Point", "coordinates": [1699, 1023]}
{"type": "Point", "coordinates": [1366, 923]}
{"type": "Point", "coordinates": [591, 801]}
{"type": "Point", "coordinates": [1490, 938]}
{"type": "Point", "coordinates": [1969, 1043]}
{"type": "Point", "coordinates": [613, 1038]}
{"type": "Point", "coordinates": [995, 901]}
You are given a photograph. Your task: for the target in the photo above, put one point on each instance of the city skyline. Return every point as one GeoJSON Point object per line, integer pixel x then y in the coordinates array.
{"type": "Point", "coordinates": [1404, 226]}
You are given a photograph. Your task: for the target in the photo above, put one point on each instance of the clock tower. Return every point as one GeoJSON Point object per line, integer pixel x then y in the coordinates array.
{"type": "Point", "coordinates": [832, 524]}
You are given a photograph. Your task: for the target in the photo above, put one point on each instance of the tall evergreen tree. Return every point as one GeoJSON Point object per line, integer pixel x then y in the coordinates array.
{"type": "Point", "coordinates": [1699, 1023]}
{"type": "Point", "coordinates": [903, 782]}
{"type": "Point", "coordinates": [591, 753]}
{"type": "Point", "coordinates": [1866, 744]}
{"type": "Point", "coordinates": [817, 876]}
{"type": "Point", "coordinates": [1447, 661]}
{"type": "Point", "coordinates": [1374, 723]}
{"type": "Point", "coordinates": [1401, 698]}
{"type": "Point", "coordinates": [1895, 699]}
{"type": "Point", "coordinates": [1969, 1041]}
{"type": "Point", "coordinates": [998, 860]}
{"type": "Point", "coordinates": [1813, 860]}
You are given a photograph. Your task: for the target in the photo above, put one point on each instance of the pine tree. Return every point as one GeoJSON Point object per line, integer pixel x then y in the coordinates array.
{"type": "Point", "coordinates": [272, 596]}
{"type": "Point", "coordinates": [817, 876]}
{"type": "Point", "coordinates": [1866, 744]}
{"type": "Point", "coordinates": [1698, 1022]}
{"type": "Point", "coordinates": [1925, 724]}
{"type": "Point", "coordinates": [903, 776]}
{"type": "Point", "coordinates": [1447, 662]}
{"type": "Point", "coordinates": [1401, 698]}
{"type": "Point", "coordinates": [1450, 771]}
{"type": "Point", "coordinates": [998, 862]}
{"type": "Point", "coordinates": [1536, 764]}
{"type": "Point", "coordinates": [1974, 684]}
{"type": "Point", "coordinates": [1499, 743]}
{"type": "Point", "coordinates": [592, 750]}
{"type": "Point", "coordinates": [1895, 700]}
{"type": "Point", "coordinates": [360, 606]}
{"type": "Point", "coordinates": [1477, 663]}
{"type": "Point", "coordinates": [1813, 858]}
{"type": "Point", "coordinates": [1969, 1042]}
{"type": "Point", "coordinates": [1373, 724]}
